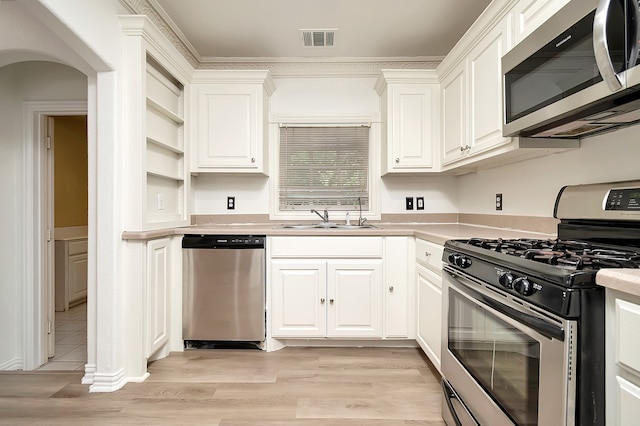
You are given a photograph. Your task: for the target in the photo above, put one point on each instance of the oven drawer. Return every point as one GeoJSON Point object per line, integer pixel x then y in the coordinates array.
{"type": "Point", "coordinates": [429, 254]}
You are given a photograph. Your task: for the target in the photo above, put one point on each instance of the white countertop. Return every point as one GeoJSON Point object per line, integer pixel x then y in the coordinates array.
{"type": "Point", "coordinates": [435, 232]}
{"type": "Point", "coordinates": [625, 280]}
{"type": "Point", "coordinates": [70, 233]}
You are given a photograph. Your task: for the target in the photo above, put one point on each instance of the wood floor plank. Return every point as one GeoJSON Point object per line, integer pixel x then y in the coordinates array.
{"type": "Point", "coordinates": [292, 386]}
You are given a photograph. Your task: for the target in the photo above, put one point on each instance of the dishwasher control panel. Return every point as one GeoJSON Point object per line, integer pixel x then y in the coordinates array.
{"type": "Point", "coordinates": [203, 241]}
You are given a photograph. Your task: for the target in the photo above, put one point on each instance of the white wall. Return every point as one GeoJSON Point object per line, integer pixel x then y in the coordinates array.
{"type": "Point", "coordinates": [321, 97]}
{"type": "Point", "coordinates": [21, 82]}
{"type": "Point", "coordinates": [440, 193]}
{"type": "Point", "coordinates": [530, 187]}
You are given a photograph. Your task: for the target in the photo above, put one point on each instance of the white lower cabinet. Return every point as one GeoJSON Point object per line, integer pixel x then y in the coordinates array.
{"type": "Point", "coordinates": [399, 288]}
{"type": "Point", "coordinates": [70, 273]}
{"type": "Point", "coordinates": [341, 287]}
{"type": "Point", "coordinates": [157, 294]}
{"type": "Point", "coordinates": [429, 299]}
{"type": "Point", "coordinates": [622, 358]}
{"type": "Point", "coordinates": [340, 298]}
{"type": "Point", "coordinates": [429, 334]}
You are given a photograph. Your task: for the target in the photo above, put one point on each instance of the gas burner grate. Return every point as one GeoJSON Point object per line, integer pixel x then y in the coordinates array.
{"type": "Point", "coordinates": [568, 254]}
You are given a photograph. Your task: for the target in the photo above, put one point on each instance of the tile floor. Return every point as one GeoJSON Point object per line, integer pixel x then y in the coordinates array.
{"type": "Point", "coordinates": [71, 340]}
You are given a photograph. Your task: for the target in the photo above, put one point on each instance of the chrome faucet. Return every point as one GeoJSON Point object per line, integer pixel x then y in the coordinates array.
{"type": "Point", "coordinates": [324, 215]}
{"type": "Point", "coordinates": [361, 220]}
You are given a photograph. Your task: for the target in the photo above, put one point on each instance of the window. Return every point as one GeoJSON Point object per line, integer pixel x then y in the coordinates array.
{"type": "Point", "coordinates": [323, 167]}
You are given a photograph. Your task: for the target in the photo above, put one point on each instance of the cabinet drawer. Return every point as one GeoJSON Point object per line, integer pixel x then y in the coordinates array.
{"type": "Point", "coordinates": [628, 406]}
{"type": "Point", "coordinates": [627, 337]}
{"type": "Point", "coordinates": [326, 247]}
{"type": "Point", "coordinates": [429, 254]}
{"type": "Point", "coordinates": [77, 247]}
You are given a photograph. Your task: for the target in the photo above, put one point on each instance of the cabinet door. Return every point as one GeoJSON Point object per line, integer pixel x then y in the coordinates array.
{"type": "Point", "coordinates": [298, 298]}
{"type": "Point", "coordinates": [429, 333]}
{"type": "Point", "coordinates": [77, 271]}
{"type": "Point", "coordinates": [229, 126]}
{"type": "Point", "coordinates": [157, 294]}
{"type": "Point", "coordinates": [398, 305]}
{"type": "Point", "coordinates": [412, 125]}
{"type": "Point", "coordinates": [485, 90]}
{"type": "Point", "coordinates": [530, 14]}
{"type": "Point", "coordinates": [454, 110]}
{"type": "Point", "coordinates": [354, 293]}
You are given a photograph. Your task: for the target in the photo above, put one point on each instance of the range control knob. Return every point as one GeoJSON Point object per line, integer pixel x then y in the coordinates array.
{"type": "Point", "coordinates": [506, 279]}
{"type": "Point", "coordinates": [453, 257]}
{"type": "Point", "coordinates": [463, 262]}
{"type": "Point", "coordinates": [523, 286]}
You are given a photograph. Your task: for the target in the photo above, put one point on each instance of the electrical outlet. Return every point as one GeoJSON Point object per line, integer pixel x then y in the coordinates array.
{"type": "Point", "coordinates": [231, 203]}
{"type": "Point", "coordinates": [409, 203]}
{"type": "Point", "coordinates": [498, 201]}
{"type": "Point", "coordinates": [419, 203]}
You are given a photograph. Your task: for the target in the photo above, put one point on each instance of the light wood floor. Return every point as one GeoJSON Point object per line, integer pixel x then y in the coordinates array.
{"type": "Point", "coordinates": [292, 386]}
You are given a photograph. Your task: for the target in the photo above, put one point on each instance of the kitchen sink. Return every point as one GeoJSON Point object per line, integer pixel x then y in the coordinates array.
{"type": "Point", "coordinates": [325, 225]}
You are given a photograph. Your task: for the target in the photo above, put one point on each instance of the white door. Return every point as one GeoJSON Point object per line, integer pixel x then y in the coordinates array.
{"type": "Point", "coordinates": [429, 335]}
{"type": "Point", "coordinates": [354, 292]}
{"type": "Point", "coordinates": [298, 298]}
{"type": "Point", "coordinates": [485, 80]}
{"type": "Point", "coordinates": [454, 115]}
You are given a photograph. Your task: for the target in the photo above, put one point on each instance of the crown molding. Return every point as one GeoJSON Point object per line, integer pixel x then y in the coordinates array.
{"type": "Point", "coordinates": [279, 67]}
{"type": "Point", "coordinates": [319, 69]}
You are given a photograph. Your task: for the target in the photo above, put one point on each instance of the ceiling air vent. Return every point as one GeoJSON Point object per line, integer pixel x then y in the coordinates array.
{"type": "Point", "coordinates": [318, 38]}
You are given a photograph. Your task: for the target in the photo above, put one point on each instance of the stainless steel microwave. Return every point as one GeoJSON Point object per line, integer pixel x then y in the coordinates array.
{"type": "Point", "coordinates": [577, 75]}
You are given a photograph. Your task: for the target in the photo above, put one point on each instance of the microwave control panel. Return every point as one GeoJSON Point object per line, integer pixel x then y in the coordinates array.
{"type": "Point", "coordinates": [623, 199]}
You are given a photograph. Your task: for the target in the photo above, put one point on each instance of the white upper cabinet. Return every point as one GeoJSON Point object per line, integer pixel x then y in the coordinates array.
{"type": "Point", "coordinates": [410, 102]}
{"type": "Point", "coordinates": [472, 93]}
{"type": "Point", "coordinates": [530, 14]}
{"type": "Point", "coordinates": [231, 110]}
{"type": "Point", "coordinates": [485, 90]}
{"type": "Point", "coordinates": [472, 100]}
{"type": "Point", "coordinates": [454, 115]}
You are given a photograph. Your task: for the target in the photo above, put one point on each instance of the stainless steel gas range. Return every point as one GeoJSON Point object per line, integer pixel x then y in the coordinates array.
{"type": "Point", "coordinates": [523, 320]}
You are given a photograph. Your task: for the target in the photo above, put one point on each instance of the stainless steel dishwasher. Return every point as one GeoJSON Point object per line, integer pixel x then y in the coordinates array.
{"type": "Point", "coordinates": [223, 289]}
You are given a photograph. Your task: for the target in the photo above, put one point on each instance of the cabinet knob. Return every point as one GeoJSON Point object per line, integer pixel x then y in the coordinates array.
{"type": "Point", "coordinates": [462, 149]}
{"type": "Point", "coordinates": [331, 301]}
{"type": "Point", "coordinates": [467, 147]}
{"type": "Point", "coordinates": [253, 160]}
{"type": "Point", "coordinates": [427, 254]}
{"type": "Point", "coordinates": [391, 289]}
{"type": "Point", "coordinates": [397, 160]}
{"type": "Point", "coordinates": [322, 300]}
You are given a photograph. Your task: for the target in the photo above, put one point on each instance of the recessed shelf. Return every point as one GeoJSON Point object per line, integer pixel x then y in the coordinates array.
{"type": "Point", "coordinates": [164, 111]}
{"type": "Point", "coordinates": [165, 176]}
{"type": "Point", "coordinates": [165, 145]}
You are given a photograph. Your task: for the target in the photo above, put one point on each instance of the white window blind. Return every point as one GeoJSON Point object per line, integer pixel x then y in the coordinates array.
{"type": "Point", "coordinates": [324, 167]}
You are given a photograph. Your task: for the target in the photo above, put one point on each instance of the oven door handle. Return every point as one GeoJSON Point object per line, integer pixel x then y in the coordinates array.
{"type": "Point", "coordinates": [452, 399]}
{"type": "Point", "coordinates": [543, 327]}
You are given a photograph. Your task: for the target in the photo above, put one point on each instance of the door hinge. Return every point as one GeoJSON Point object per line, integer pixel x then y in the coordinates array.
{"type": "Point", "coordinates": [48, 142]}
{"type": "Point", "coordinates": [49, 235]}
{"type": "Point", "coordinates": [48, 327]}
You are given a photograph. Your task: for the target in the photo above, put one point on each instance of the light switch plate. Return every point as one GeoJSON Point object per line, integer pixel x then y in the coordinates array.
{"type": "Point", "coordinates": [419, 203]}
{"type": "Point", "coordinates": [409, 203]}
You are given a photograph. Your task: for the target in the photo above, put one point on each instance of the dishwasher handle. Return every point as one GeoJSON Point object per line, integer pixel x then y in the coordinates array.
{"type": "Point", "coordinates": [201, 241]}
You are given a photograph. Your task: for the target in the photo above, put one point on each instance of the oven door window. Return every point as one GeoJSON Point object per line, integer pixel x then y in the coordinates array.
{"type": "Point", "coordinates": [502, 359]}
